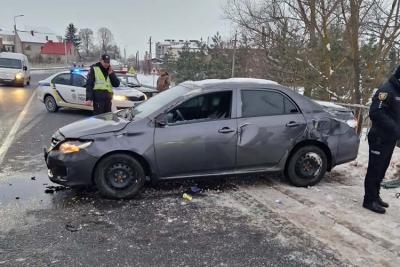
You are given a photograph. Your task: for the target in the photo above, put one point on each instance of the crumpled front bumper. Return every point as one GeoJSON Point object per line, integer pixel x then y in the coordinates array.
{"type": "Point", "coordinates": [72, 169]}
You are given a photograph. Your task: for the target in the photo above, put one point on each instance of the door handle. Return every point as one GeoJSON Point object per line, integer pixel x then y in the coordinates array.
{"type": "Point", "coordinates": [72, 90]}
{"type": "Point", "coordinates": [293, 124]}
{"type": "Point", "coordinates": [226, 130]}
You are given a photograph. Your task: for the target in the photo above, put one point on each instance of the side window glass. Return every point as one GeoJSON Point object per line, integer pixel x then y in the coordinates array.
{"type": "Point", "coordinates": [290, 108]}
{"type": "Point", "coordinates": [256, 103]}
{"type": "Point", "coordinates": [64, 79]}
{"type": "Point", "coordinates": [78, 80]}
{"type": "Point", "coordinates": [212, 106]}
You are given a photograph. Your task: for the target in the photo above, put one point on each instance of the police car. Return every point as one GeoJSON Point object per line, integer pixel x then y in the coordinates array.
{"type": "Point", "coordinates": [131, 80]}
{"type": "Point", "coordinates": [67, 89]}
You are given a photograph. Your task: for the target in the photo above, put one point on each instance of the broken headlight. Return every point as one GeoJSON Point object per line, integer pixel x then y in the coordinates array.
{"type": "Point", "coordinates": [73, 146]}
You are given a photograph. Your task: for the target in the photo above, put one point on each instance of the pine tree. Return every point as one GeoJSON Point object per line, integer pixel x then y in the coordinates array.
{"type": "Point", "coordinates": [71, 35]}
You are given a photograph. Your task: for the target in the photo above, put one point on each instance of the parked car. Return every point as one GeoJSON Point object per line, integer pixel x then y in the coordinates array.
{"type": "Point", "coordinates": [131, 80]}
{"type": "Point", "coordinates": [68, 89]}
{"type": "Point", "coordinates": [14, 69]}
{"type": "Point", "coordinates": [208, 128]}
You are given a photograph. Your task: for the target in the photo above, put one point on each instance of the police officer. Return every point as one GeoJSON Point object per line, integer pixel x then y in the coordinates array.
{"type": "Point", "coordinates": [382, 137]}
{"type": "Point", "coordinates": [99, 88]}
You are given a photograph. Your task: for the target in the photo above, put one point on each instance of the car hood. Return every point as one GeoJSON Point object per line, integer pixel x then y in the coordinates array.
{"type": "Point", "coordinates": [9, 70]}
{"type": "Point", "coordinates": [105, 123]}
{"type": "Point", "coordinates": [127, 91]}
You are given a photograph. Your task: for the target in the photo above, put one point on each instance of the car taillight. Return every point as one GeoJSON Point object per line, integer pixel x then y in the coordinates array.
{"type": "Point", "coordinates": [353, 123]}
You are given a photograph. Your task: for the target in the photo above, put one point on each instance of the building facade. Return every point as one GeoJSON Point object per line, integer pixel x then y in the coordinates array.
{"type": "Point", "coordinates": [7, 41]}
{"type": "Point", "coordinates": [31, 41]}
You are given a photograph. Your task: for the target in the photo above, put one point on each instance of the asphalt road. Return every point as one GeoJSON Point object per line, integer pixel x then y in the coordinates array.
{"type": "Point", "coordinates": [77, 228]}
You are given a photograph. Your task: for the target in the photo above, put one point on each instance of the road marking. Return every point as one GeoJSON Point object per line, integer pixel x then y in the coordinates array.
{"type": "Point", "coordinates": [10, 137]}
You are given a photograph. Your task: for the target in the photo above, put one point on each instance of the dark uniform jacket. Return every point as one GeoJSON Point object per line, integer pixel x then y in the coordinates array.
{"type": "Point", "coordinates": [385, 111]}
{"type": "Point", "coordinates": [100, 95]}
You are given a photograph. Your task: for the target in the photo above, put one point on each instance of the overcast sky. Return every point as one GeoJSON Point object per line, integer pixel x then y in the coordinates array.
{"type": "Point", "coordinates": [131, 21]}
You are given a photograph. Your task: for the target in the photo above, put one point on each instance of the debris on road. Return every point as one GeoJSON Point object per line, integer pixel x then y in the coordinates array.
{"type": "Point", "coordinates": [391, 184]}
{"type": "Point", "coordinates": [70, 227]}
{"type": "Point", "coordinates": [33, 178]}
{"type": "Point", "coordinates": [195, 189]}
{"type": "Point", "coordinates": [278, 202]}
{"type": "Point", "coordinates": [52, 189]}
{"type": "Point", "coordinates": [17, 198]}
{"type": "Point", "coordinates": [187, 197]}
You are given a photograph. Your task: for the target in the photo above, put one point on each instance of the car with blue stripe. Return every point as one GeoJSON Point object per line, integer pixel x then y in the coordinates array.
{"type": "Point", "coordinates": [67, 89]}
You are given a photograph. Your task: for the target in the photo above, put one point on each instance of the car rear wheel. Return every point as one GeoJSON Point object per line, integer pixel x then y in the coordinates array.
{"type": "Point", "coordinates": [307, 166]}
{"type": "Point", "coordinates": [51, 104]}
{"type": "Point", "coordinates": [119, 176]}
{"type": "Point", "coordinates": [29, 81]}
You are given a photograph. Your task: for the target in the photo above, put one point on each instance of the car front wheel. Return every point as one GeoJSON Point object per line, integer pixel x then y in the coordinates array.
{"type": "Point", "coordinates": [307, 166]}
{"type": "Point", "coordinates": [119, 176]}
{"type": "Point", "coordinates": [51, 104]}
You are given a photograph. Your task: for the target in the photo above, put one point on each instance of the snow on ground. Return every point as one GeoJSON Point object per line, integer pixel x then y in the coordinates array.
{"type": "Point", "coordinates": [332, 211]}
{"type": "Point", "coordinates": [358, 168]}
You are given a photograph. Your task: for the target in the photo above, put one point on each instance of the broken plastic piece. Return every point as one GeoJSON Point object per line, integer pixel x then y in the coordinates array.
{"type": "Point", "coordinates": [187, 197]}
{"type": "Point", "coordinates": [278, 202]}
{"type": "Point", "coordinates": [195, 189]}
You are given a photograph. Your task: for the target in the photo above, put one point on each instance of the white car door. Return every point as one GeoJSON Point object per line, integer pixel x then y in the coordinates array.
{"type": "Point", "coordinates": [62, 88]}
{"type": "Point", "coordinates": [79, 89]}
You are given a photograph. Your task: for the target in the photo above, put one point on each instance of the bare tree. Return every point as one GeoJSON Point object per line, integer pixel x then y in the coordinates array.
{"type": "Point", "coordinates": [105, 38]}
{"type": "Point", "coordinates": [86, 36]}
{"type": "Point", "coordinates": [318, 44]}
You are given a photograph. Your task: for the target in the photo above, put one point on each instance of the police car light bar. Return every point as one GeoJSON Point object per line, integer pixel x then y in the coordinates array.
{"type": "Point", "coordinates": [77, 70]}
{"type": "Point", "coordinates": [121, 71]}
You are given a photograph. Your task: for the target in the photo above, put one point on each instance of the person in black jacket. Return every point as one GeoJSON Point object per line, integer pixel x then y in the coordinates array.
{"type": "Point", "coordinates": [382, 138]}
{"type": "Point", "coordinates": [101, 78]}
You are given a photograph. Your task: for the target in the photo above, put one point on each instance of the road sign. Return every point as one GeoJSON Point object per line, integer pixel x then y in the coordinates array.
{"type": "Point", "coordinates": [132, 70]}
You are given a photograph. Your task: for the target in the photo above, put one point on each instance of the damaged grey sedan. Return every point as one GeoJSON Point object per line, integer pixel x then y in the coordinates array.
{"type": "Point", "coordinates": [203, 129]}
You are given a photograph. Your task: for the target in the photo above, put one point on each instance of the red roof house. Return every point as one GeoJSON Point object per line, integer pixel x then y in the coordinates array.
{"type": "Point", "coordinates": [57, 51]}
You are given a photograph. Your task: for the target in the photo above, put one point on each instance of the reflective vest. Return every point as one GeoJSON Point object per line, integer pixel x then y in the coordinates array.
{"type": "Point", "coordinates": [100, 82]}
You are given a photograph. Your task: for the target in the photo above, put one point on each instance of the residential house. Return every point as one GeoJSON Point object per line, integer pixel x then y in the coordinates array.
{"type": "Point", "coordinates": [31, 41]}
{"type": "Point", "coordinates": [58, 52]}
{"type": "Point", "coordinates": [7, 40]}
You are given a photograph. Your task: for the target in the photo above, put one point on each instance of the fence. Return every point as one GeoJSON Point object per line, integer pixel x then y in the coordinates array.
{"type": "Point", "coordinates": [361, 113]}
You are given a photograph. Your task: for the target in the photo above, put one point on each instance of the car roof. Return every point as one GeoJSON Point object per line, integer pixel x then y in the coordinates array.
{"type": "Point", "coordinates": [213, 82]}
{"type": "Point", "coordinates": [12, 55]}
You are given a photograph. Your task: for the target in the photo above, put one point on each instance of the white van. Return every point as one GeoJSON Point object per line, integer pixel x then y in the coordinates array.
{"type": "Point", "coordinates": [14, 69]}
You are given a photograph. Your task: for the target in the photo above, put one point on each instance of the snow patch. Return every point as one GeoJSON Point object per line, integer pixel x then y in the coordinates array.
{"type": "Point", "coordinates": [328, 46]}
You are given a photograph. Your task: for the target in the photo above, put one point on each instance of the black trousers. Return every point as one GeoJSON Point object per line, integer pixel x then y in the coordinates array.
{"type": "Point", "coordinates": [100, 107]}
{"type": "Point", "coordinates": [380, 154]}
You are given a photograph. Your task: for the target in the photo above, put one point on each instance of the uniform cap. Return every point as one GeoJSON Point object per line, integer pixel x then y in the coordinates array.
{"type": "Point", "coordinates": [105, 58]}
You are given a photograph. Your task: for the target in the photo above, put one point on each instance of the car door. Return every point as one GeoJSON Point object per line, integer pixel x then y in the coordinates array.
{"type": "Point", "coordinates": [78, 89]}
{"type": "Point", "coordinates": [62, 87]}
{"type": "Point", "coordinates": [269, 123]}
{"type": "Point", "coordinates": [203, 141]}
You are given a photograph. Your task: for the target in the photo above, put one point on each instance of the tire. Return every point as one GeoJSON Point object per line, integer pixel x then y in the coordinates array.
{"type": "Point", "coordinates": [310, 174]}
{"type": "Point", "coordinates": [29, 81]}
{"type": "Point", "coordinates": [51, 104]}
{"type": "Point", "coordinates": [119, 176]}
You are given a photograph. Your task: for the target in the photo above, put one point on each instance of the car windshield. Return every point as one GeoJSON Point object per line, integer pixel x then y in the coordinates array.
{"type": "Point", "coordinates": [160, 100]}
{"type": "Point", "coordinates": [10, 63]}
{"type": "Point", "coordinates": [128, 80]}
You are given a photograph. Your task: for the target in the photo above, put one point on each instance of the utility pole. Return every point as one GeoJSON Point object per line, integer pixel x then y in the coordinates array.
{"type": "Point", "coordinates": [150, 57]}
{"type": "Point", "coordinates": [234, 55]}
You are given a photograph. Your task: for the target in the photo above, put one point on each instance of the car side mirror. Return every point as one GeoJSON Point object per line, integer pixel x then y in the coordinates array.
{"type": "Point", "coordinates": [25, 68]}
